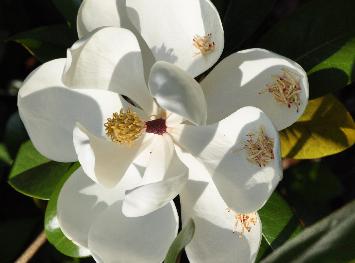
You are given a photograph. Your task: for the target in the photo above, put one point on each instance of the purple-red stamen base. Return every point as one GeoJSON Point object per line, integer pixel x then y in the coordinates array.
{"type": "Point", "coordinates": [157, 126]}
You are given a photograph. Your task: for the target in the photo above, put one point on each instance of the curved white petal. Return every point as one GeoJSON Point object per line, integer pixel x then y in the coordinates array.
{"type": "Point", "coordinates": [240, 80]}
{"type": "Point", "coordinates": [94, 14]}
{"type": "Point", "coordinates": [177, 92]}
{"type": "Point", "coordinates": [49, 111]}
{"type": "Point", "coordinates": [178, 21]}
{"type": "Point", "coordinates": [109, 58]}
{"type": "Point", "coordinates": [243, 184]}
{"type": "Point", "coordinates": [104, 161]}
{"type": "Point", "coordinates": [116, 238]}
{"type": "Point", "coordinates": [164, 178]}
{"type": "Point", "coordinates": [214, 240]}
{"type": "Point", "coordinates": [81, 200]}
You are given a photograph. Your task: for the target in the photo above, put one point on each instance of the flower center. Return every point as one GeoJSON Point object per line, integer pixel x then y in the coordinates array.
{"type": "Point", "coordinates": [243, 222]}
{"type": "Point", "coordinates": [124, 127]}
{"type": "Point", "coordinates": [204, 44]}
{"type": "Point", "coordinates": [157, 126]}
{"type": "Point", "coordinates": [259, 148]}
{"type": "Point", "coordinates": [285, 89]}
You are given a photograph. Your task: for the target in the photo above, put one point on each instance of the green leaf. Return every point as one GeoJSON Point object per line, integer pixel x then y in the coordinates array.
{"type": "Point", "coordinates": [330, 240]}
{"type": "Point", "coordinates": [183, 239]}
{"type": "Point", "coordinates": [279, 224]}
{"type": "Point", "coordinates": [34, 175]}
{"type": "Point", "coordinates": [69, 9]}
{"type": "Point", "coordinates": [312, 189]}
{"type": "Point", "coordinates": [53, 232]}
{"type": "Point", "coordinates": [46, 43]}
{"type": "Point", "coordinates": [325, 128]}
{"type": "Point", "coordinates": [4, 155]}
{"type": "Point", "coordinates": [320, 36]}
{"type": "Point", "coordinates": [242, 19]}
{"type": "Point", "coordinates": [15, 134]}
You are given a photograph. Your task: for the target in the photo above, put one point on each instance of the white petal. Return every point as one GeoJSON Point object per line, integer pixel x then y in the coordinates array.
{"type": "Point", "coordinates": [214, 240]}
{"type": "Point", "coordinates": [163, 180]}
{"type": "Point", "coordinates": [109, 58]}
{"type": "Point", "coordinates": [244, 185]}
{"type": "Point", "coordinates": [238, 80]}
{"type": "Point", "coordinates": [178, 21]}
{"type": "Point", "coordinates": [94, 14]}
{"type": "Point", "coordinates": [49, 111]}
{"type": "Point", "coordinates": [81, 200]}
{"type": "Point", "coordinates": [116, 238]}
{"type": "Point", "coordinates": [177, 92]}
{"type": "Point", "coordinates": [104, 161]}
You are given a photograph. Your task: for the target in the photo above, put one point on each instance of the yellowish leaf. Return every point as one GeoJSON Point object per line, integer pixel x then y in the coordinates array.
{"type": "Point", "coordinates": [324, 129]}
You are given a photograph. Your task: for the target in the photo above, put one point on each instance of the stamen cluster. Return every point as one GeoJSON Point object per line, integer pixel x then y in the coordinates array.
{"type": "Point", "coordinates": [285, 89]}
{"type": "Point", "coordinates": [260, 148]}
{"type": "Point", "coordinates": [243, 222]}
{"type": "Point", "coordinates": [204, 44]}
{"type": "Point", "coordinates": [124, 127]}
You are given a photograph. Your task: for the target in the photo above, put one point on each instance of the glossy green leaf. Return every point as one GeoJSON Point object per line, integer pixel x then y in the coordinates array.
{"type": "Point", "coordinates": [278, 224]}
{"type": "Point", "coordinates": [184, 238]}
{"type": "Point", "coordinates": [54, 234]}
{"type": "Point", "coordinates": [69, 9]}
{"type": "Point", "coordinates": [34, 175]}
{"type": "Point", "coordinates": [325, 128]}
{"type": "Point", "coordinates": [320, 36]}
{"type": "Point", "coordinates": [330, 240]}
{"type": "Point", "coordinates": [46, 43]}
{"type": "Point", "coordinates": [241, 20]}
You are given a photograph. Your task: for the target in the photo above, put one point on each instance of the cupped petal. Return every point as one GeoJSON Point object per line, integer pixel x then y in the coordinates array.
{"type": "Point", "coordinates": [109, 58]}
{"type": "Point", "coordinates": [179, 21]}
{"type": "Point", "coordinates": [177, 92]}
{"type": "Point", "coordinates": [94, 14]}
{"type": "Point", "coordinates": [219, 236]}
{"type": "Point", "coordinates": [49, 111]}
{"type": "Point", "coordinates": [164, 178]}
{"type": "Point", "coordinates": [114, 237]}
{"type": "Point", "coordinates": [244, 79]}
{"type": "Point", "coordinates": [241, 153]}
{"type": "Point", "coordinates": [81, 200]}
{"type": "Point", "coordinates": [105, 161]}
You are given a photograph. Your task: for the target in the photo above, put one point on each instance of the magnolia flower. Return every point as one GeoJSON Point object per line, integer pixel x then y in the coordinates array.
{"type": "Point", "coordinates": [73, 109]}
{"type": "Point", "coordinates": [189, 34]}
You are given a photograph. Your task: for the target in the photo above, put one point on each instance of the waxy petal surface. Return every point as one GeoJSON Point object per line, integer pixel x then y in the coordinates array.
{"type": "Point", "coordinates": [241, 80]}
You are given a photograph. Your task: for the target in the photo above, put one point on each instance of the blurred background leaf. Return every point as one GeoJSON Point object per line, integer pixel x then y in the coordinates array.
{"type": "Point", "coordinates": [312, 189]}
{"type": "Point", "coordinates": [320, 37]}
{"type": "Point", "coordinates": [46, 43]}
{"type": "Point", "coordinates": [330, 240]}
{"type": "Point", "coordinates": [69, 10]}
{"type": "Point", "coordinates": [16, 235]}
{"type": "Point", "coordinates": [325, 128]}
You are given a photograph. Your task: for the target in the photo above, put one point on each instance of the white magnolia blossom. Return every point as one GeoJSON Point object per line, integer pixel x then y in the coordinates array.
{"type": "Point", "coordinates": [141, 144]}
{"type": "Point", "coordinates": [189, 34]}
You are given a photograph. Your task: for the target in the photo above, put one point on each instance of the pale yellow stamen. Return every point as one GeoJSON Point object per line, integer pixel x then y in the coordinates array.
{"type": "Point", "coordinates": [259, 148]}
{"type": "Point", "coordinates": [204, 44]}
{"type": "Point", "coordinates": [285, 89]}
{"type": "Point", "coordinates": [124, 127]}
{"type": "Point", "coordinates": [243, 222]}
